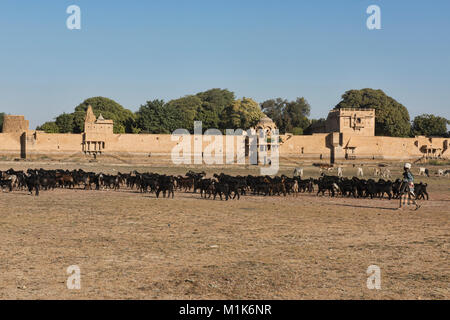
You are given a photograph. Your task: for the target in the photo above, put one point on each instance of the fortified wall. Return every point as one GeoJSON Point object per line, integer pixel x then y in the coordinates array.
{"type": "Point", "coordinates": [350, 136]}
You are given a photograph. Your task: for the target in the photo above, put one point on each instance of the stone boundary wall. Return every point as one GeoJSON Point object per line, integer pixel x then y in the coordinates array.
{"type": "Point", "coordinates": [9, 145]}
{"type": "Point", "coordinates": [309, 147]}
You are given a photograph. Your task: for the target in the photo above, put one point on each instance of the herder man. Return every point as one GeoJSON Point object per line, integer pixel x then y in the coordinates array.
{"type": "Point", "coordinates": [407, 196]}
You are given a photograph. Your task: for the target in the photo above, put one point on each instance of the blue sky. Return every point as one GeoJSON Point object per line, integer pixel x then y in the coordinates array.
{"type": "Point", "coordinates": [133, 51]}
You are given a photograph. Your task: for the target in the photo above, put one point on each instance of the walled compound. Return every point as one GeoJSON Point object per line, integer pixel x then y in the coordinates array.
{"type": "Point", "coordinates": [348, 135]}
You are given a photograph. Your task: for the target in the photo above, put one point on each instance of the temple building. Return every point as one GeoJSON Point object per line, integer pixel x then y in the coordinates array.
{"type": "Point", "coordinates": [95, 132]}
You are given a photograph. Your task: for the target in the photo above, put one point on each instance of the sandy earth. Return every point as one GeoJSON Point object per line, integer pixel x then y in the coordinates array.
{"type": "Point", "coordinates": [133, 246]}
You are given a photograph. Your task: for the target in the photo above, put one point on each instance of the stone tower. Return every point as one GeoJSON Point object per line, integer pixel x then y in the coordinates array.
{"type": "Point", "coordinates": [96, 133]}
{"type": "Point", "coordinates": [90, 116]}
{"type": "Point", "coordinates": [352, 121]}
{"type": "Point", "coordinates": [94, 125]}
{"type": "Point", "coordinates": [14, 124]}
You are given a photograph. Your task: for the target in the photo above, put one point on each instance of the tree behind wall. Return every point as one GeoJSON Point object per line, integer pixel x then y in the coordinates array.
{"type": "Point", "coordinates": [49, 127]}
{"type": "Point", "coordinates": [391, 117]}
{"type": "Point", "coordinates": [124, 119]}
{"type": "Point", "coordinates": [186, 109]}
{"type": "Point", "coordinates": [242, 114]}
{"type": "Point", "coordinates": [207, 107]}
{"type": "Point", "coordinates": [154, 117]}
{"type": "Point", "coordinates": [65, 123]}
{"type": "Point", "coordinates": [289, 116]}
{"type": "Point", "coordinates": [430, 126]}
{"type": "Point", "coordinates": [214, 101]}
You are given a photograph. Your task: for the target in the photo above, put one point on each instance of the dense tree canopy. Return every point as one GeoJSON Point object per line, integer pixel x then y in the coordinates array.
{"type": "Point", "coordinates": [289, 116]}
{"type": "Point", "coordinates": [214, 101]}
{"type": "Point", "coordinates": [430, 125]}
{"type": "Point", "coordinates": [49, 127]}
{"type": "Point", "coordinates": [159, 117]}
{"type": "Point", "coordinates": [242, 114]}
{"type": "Point", "coordinates": [65, 123]}
{"type": "Point", "coordinates": [208, 107]}
{"type": "Point", "coordinates": [218, 108]}
{"type": "Point", "coordinates": [154, 117]}
{"type": "Point", "coordinates": [124, 119]}
{"type": "Point", "coordinates": [391, 117]}
{"type": "Point", "coordinates": [187, 109]}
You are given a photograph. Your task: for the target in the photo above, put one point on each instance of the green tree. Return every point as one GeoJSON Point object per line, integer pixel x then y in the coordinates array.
{"type": "Point", "coordinates": [154, 117]}
{"type": "Point", "coordinates": [214, 101]}
{"type": "Point", "coordinates": [316, 126]}
{"type": "Point", "coordinates": [1, 121]}
{"type": "Point", "coordinates": [297, 131]}
{"type": "Point", "coordinates": [297, 113]}
{"type": "Point", "coordinates": [65, 123]}
{"type": "Point", "coordinates": [288, 114]}
{"type": "Point", "coordinates": [242, 114]}
{"type": "Point", "coordinates": [206, 107]}
{"type": "Point", "coordinates": [49, 127]}
{"type": "Point", "coordinates": [430, 125]}
{"type": "Point", "coordinates": [275, 109]}
{"type": "Point", "coordinates": [186, 109]}
{"type": "Point", "coordinates": [391, 117]}
{"type": "Point", "coordinates": [124, 119]}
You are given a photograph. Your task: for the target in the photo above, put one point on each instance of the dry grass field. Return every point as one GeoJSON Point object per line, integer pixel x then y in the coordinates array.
{"type": "Point", "coordinates": [133, 246]}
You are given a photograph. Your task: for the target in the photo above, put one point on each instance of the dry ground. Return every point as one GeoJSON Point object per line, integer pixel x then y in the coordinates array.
{"type": "Point", "coordinates": [133, 246]}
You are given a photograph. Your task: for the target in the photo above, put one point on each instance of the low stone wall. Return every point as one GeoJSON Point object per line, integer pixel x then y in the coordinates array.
{"type": "Point", "coordinates": [9, 145]}
{"type": "Point", "coordinates": [317, 147]}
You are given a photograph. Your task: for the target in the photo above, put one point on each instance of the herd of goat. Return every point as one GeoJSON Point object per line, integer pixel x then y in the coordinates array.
{"type": "Point", "coordinates": [222, 185]}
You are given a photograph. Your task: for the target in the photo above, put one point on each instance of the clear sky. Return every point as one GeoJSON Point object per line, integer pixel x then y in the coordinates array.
{"type": "Point", "coordinates": [133, 51]}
